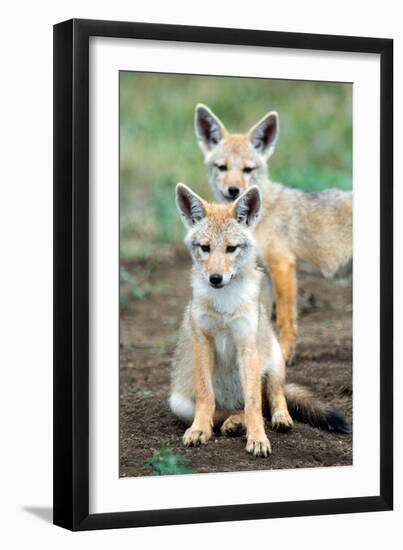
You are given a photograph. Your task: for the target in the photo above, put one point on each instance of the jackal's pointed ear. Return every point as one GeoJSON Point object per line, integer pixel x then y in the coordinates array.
{"type": "Point", "coordinates": [190, 206]}
{"type": "Point", "coordinates": [209, 129]}
{"type": "Point", "coordinates": [247, 207]}
{"type": "Point", "coordinates": [265, 133]}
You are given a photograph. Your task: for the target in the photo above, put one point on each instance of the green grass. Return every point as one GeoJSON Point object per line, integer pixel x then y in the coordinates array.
{"type": "Point", "coordinates": [164, 462]}
{"type": "Point", "coordinates": [158, 147]}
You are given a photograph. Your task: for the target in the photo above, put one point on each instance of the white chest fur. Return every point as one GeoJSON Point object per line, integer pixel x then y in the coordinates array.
{"type": "Point", "coordinates": [230, 317]}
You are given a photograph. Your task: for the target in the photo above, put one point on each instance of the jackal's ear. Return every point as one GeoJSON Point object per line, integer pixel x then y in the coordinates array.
{"type": "Point", "coordinates": [209, 129]}
{"type": "Point", "coordinates": [265, 133]}
{"type": "Point", "coordinates": [247, 207]}
{"type": "Point", "coordinates": [190, 205]}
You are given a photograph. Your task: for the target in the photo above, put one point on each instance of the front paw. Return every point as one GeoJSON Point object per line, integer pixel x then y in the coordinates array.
{"type": "Point", "coordinates": [258, 446]}
{"type": "Point", "coordinates": [193, 437]}
{"type": "Point", "coordinates": [281, 421]}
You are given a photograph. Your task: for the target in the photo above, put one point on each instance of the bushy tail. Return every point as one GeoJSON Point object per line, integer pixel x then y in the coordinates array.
{"type": "Point", "coordinates": [305, 408]}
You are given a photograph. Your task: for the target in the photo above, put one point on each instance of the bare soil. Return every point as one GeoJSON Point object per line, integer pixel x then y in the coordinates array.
{"type": "Point", "coordinates": [148, 329]}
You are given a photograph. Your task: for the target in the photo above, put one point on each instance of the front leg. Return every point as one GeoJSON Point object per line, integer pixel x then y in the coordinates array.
{"type": "Point", "coordinates": [257, 441]}
{"type": "Point", "coordinates": [282, 271]}
{"type": "Point", "coordinates": [203, 357]}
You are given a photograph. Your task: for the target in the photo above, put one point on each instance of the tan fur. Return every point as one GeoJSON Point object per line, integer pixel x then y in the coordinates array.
{"type": "Point", "coordinates": [203, 358]}
{"type": "Point", "coordinates": [315, 228]}
{"type": "Point", "coordinates": [225, 345]}
{"type": "Point", "coordinates": [251, 383]}
{"type": "Point", "coordinates": [234, 424]}
{"type": "Point", "coordinates": [228, 366]}
{"type": "Point", "coordinates": [282, 269]}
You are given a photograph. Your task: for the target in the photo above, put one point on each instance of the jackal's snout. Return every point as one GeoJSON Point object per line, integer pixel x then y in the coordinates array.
{"type": "Point", "coordinates": [219, 236]}
{"type": "Point", "coordinates": [216, 280]}
{"type": "Point", "coordinates": [218, 266]}
{"type": "Point", "coordinates": [233, 191]}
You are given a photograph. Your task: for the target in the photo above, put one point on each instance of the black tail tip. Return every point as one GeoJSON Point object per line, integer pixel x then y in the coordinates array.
{"type": "Point", "coordinates": [335, 422]}
{"type": "Point", "coordinates": [324, 419]}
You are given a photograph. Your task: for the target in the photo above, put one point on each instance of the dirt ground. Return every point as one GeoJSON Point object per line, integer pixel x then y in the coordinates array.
{"type": "Point", "coordinates": [323, 362]}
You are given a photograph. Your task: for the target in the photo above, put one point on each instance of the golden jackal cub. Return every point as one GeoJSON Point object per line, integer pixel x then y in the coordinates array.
{"type": "Point", "coordinates": [228, 363]}
{"type": "Point", "coordinates": [313, 227]}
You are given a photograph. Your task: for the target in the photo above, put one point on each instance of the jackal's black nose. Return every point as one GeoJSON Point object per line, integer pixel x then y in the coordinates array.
{"type": "Point", "coordinates": [233, 192]}
{"type": "Point", "coordinates": [216, 279]}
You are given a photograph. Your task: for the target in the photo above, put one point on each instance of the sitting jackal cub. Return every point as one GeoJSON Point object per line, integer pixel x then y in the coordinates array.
{"type": "Point", "coordinates": [228, 363]}
{"type": "Point", "coordinates": [315, 228]}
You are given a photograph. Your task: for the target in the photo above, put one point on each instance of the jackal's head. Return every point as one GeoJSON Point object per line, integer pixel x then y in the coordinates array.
{"type": "Point", "coordinates": [235, 161]}
{"type": "Point", "coordinates": [220, 237]}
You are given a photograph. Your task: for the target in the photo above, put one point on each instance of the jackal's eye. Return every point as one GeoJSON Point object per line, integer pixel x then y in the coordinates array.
{"type": "Point", "coordinates": [205, 247]}
{"type": "Point", "coordinates": [248, 169]}
{"type": "Point", "coordinates": [231, 249]}
{"type": "Point", "coordinates": [222, 167]}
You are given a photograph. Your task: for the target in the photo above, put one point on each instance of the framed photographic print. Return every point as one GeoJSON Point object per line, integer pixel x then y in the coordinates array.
{"type": "Point", "coordinates": [218, 354]}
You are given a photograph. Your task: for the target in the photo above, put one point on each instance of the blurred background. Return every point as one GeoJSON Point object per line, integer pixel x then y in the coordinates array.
{"type": "Point", "coordinates": [158, 147]}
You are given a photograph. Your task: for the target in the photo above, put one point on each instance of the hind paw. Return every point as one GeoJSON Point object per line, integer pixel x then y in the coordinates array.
{"type": "Point", "coordinates": [281, 421]}
{"type": "Point", "coordinates": [234, 425]}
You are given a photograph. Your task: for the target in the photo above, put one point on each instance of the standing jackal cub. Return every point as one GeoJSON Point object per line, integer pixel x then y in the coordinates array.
{"type": "Point", "coordinates": [313, 227]}
{"type": "Point", "coordinates": [228, 364]}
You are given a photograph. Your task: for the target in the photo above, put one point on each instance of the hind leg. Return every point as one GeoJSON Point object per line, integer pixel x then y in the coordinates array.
{"type": "Point", "coordinates": [280, 417]}
{"type": "Point", "coordinates": [275, 391]}
{"type": "Point", "coordinates": [184, 408]}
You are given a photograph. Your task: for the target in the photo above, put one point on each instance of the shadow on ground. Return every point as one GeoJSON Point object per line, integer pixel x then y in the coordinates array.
{"type": "Point", "coordinates": [44, 513]}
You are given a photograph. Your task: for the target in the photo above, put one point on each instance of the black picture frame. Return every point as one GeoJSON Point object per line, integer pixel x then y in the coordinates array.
{"type": "Point", "coordinates": [71, 273]}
